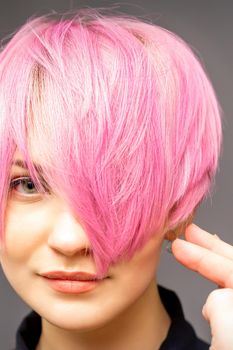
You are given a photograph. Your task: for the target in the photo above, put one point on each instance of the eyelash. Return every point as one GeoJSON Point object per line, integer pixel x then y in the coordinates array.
{"type": "Point", "coordinates": [20, 180]}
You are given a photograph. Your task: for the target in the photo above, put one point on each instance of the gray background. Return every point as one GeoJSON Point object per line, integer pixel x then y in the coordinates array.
{"type": "Point", "coordinates": [208, 27]}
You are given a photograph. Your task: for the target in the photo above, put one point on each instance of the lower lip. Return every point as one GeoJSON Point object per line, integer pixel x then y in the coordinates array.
{"type": "Point", "coordinates": [71, 287]}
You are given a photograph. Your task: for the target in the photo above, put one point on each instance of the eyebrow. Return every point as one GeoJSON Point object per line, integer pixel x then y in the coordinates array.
{"type": "Point", "coordinates": [20, 163]}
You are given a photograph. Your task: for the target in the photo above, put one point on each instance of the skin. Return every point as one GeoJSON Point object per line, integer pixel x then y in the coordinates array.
{"type": "Point", "coordinates": [106, 318]}
{"type": "Point", "coordinates": [212, 258]}
{"type": "Point", "coordinates": [111, 315]}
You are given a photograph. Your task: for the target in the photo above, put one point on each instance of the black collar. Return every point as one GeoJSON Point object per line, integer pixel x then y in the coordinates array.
{"type": "Point", "coordinates": [181, 335]}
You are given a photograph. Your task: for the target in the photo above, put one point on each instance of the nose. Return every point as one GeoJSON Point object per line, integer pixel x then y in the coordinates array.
{"type": "Point", "coordinates": [67, 235]}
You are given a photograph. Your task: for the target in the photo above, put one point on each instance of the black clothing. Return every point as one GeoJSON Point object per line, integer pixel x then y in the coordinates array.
{"type": "Point", "coordinates": [181, 335]}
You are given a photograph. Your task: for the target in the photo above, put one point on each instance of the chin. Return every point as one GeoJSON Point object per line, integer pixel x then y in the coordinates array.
{"type": "Point", "coordinates": [74, 320]}
{"type": "Point", "coordinates": [78, 324]}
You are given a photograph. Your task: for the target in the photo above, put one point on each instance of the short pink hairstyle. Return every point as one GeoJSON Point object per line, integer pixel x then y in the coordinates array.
{"type": "Point", "coordinates": [125, 119]}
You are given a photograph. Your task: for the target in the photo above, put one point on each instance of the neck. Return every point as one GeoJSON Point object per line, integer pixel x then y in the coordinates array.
{"type": "Point", "coordinates": [143, 326]}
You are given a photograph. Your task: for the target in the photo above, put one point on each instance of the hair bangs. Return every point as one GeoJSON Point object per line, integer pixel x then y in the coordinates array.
{"type": "Point", "coordinates": [122, 119]}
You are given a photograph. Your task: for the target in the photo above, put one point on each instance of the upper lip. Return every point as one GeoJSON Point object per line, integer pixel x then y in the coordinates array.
{"type": "Point", "coordinates": [73, 276]}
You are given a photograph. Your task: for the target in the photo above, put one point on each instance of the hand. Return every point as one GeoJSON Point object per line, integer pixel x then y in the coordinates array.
{"type": "Point", "coordinates": [208, 255]}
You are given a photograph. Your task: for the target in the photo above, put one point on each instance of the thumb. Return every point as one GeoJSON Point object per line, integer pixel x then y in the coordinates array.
{"type": "Point", "coordinates": [218, 311]}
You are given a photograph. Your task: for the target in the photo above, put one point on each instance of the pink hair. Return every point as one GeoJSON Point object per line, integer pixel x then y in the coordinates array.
{"type": "Point", "coordinates": [124, 116]}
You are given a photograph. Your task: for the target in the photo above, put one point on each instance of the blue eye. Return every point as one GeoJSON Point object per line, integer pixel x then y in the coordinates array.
{"type": "Point", "coordinates": [23, 185]}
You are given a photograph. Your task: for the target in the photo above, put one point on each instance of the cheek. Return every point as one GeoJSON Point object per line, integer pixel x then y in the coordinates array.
{"type": "Point", "coordinates": [140, 271]}
{"type": "Point", "coordinates": [25, 230]}
{"type": "Point", "coordinates": [25, 227]}
{"type": "Point", "coordinates": [146, 260]}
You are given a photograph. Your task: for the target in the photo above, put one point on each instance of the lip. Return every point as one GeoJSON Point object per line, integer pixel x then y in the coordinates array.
{"type": "Point", "coordinates": [70, 275]}
{"type": "Point", "coordinates": [71, 282]}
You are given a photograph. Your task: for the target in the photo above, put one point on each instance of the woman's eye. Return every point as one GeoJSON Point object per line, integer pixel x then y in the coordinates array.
{"type": "Point", "coordinates": [24, 186]}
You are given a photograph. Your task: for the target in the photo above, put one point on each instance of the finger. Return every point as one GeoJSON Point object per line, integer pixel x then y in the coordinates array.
{"type": "Point", "coordinates": [218, 312]}
{"type": "Point", "coordinates": [214, 267]}
{"type": "Point", "coordinates": [195, 234]}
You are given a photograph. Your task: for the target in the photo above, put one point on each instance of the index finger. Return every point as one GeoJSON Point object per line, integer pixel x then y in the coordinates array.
{"type": "Point", "coordinates": [213, 266]}
{"type": "Point", "coordinates": [195, 234]}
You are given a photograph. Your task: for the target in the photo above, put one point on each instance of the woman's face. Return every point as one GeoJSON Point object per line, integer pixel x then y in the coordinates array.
{"type": "Point", "coordinates": [42, 235]}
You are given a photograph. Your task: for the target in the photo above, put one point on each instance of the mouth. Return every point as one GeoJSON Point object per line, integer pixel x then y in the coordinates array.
{"type": "Point", "coordinates": [72, 276]}
{"type": "Point", "coordinates": [72, 282]}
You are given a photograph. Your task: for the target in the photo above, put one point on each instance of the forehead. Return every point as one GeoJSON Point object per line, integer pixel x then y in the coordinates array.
{"type": "Point", "coordinates": [18, 155]}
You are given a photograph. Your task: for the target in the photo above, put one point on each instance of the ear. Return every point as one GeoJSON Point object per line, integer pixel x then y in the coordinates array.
{"type": "Point", "coordinates": [177, 231]}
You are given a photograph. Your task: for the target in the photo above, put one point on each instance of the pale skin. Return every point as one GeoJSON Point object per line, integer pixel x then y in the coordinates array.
{"type": "Point", "coordinates": [212, 258]}
{"type": "Point", "coordinates": [43, 234]}
{"type": "Point", "coordinates": [124, 310]}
